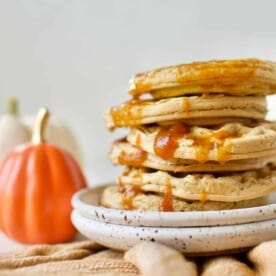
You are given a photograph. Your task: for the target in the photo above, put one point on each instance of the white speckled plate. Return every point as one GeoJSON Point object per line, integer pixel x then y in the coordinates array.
{"type": "Point", "coordinates": [86, 202]}
{"type": "Point", "coordinates": [209, 240]}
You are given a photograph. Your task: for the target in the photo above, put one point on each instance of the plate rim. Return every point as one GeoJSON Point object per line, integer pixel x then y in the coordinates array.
{"type": "Point", "coordinates": [162, 234]}
{"type": "Point", "coordinates": [167, 219]}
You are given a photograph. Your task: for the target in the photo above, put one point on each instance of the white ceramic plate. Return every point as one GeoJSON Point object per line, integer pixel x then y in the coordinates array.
{"type": "Point", "coordinates": [86, 202]}
{"type": "Point", "coordinates": [189, 240]}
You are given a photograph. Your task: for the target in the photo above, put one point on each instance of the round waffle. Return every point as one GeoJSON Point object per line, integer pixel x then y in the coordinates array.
{"type": "Point", "coordinates": [228, 187]}
{"type": "Point", "coordinates": [113, 198]}
{"type": "Point", "coordinates": [228, 142]}
{"type": "Point", "coordinates": [123, 153]}
{"type": "Point", "coordinates": [233, 77]}
{"type": "Point", "coordinates": [214, 109]}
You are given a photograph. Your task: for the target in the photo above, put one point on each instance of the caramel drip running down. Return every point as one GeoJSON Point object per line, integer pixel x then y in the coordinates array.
{"type": "Point", "coordinates": [215, 142]}
{"type": "Point", "coordinates": [130, 110]}
{"type": "Point", "coordinates": [166, 203]}
{"type": "Point", "coordinates": [166, 141]}
{"type": "Point", "coordinates": [120, 183]}
{"type": "Point", "coordinates": [203, 197]}
{"type": "Point", "coordinates": [140, 86]}
{"type": "Point", "coordinates": [138, 141]}
{"type": "Point", "coordinates": [203, 146]}
{"type": "Point", "coordinates": [223, 153]}
{"type": "Point", "coordinates": [186, 105]}
{"type": "Point", "coordinates": [135, 159]}
{"type": "Point", "coordinates": [222, 150]}
{"type": "Point", "coordinates": [130, 192]}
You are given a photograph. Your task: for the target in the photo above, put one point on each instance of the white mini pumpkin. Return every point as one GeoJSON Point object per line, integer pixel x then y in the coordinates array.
{"type": "Point", "coordinates": [15, 130]}
{"type": "Point", "coordinates": [12, 130]}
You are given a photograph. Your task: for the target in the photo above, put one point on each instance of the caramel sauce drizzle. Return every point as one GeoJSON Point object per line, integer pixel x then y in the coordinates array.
{"type": "Point", "coordinates": [140, 86]}
{"type": "Point", "coordinates": [213, 141]}
{"type": "Point", "coordinates": [203, 197]}
{"type": "Point", "coordinates": [130, 192]}
{"type": "Point", "coordinates": [186, 105]}
{"type": "Point", "coordinates": [223, 153]}
{"type": "Point", "coordinates": [194, 73]}
{"type": "Point", "coordinates": [121, 185]}
{"type": "Point", "coordinates": [129, 110]}
{"type": "Point", "coordinates": [166, 141]}
{"type": "Point", "coordinates": [203, 146]}
{"type": "Point", "coordinates": [135, 159]}
{"type": "Point", "coordinates": [166, 203]}
{"type": "Point", "coordinates": [197, 71]}
{"type": "Point", "coordinates": [138, 141]}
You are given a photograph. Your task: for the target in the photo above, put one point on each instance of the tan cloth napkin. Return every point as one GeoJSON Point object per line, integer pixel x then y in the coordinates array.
{"type": "Point", "coordinates": [146, 258]}
{"type": "Point", "coordinates": [78, 258]}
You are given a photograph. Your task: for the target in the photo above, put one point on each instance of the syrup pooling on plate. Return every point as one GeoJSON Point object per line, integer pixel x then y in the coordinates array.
{"type": "Point", "coordinates": [166, 141]}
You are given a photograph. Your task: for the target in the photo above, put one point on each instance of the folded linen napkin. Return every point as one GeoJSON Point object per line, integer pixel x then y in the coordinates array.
{"type": "Point", "coordinates": [77, 258]}
{"type": "Point", "coordinates": [146, 258]}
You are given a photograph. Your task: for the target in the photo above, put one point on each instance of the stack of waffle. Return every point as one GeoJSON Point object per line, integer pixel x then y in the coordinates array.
{"type": "Point", "coordinates": [197, 140]}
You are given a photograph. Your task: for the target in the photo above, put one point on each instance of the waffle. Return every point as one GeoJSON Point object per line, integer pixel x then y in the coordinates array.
{"type": "Point", "coordinates": [114, 198]}
{"type": "Point", "coordinates": [234, 77]}
{"type": "Point", "coordinates": [211, 110]}
{"type": "Point", "coordinates": [228, 142]}
{"type": "Point", "coordinates": [228, 187]}
{"type": "Point", "coordinates": [123, 153]}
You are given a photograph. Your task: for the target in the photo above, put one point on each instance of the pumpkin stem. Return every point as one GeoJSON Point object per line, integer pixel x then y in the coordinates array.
{"type": "Point", "coordinates": [39, 126]}
{"type": "Point", "coordinates": [12, 106]}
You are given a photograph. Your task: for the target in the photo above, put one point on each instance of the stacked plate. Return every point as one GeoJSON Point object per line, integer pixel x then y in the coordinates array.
{"type": "Point", "coordinates": [193, 233]}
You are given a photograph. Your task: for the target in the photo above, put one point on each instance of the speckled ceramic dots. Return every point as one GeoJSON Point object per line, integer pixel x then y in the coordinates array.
{"type": "Point", "coordinates": [189, 240]}
{"type": "Point", "coordinates": [194, 233]}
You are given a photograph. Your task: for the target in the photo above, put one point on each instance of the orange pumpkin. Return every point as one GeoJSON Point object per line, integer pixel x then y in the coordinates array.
{"type": "Point", "coordinates": [37, 182]}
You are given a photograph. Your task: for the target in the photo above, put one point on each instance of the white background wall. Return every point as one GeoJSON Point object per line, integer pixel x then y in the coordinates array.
{"type": "Point", "coordinates": [76, 56]}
